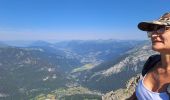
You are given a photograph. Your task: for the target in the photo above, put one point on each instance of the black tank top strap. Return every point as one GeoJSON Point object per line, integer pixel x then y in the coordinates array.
{"type": "Point", "coordinates": [150, 63]}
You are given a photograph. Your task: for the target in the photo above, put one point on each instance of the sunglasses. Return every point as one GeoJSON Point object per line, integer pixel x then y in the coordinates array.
{"type": "Point", "coordinates": [157, 29]}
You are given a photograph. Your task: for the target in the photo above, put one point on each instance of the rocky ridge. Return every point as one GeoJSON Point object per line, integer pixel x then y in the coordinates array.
{"type": "Point", "coordinates": [123, 94]}
{"type": "Point", "coordinates": [131, 62]}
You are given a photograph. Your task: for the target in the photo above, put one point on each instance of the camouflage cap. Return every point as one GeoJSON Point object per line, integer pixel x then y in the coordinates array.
{"type": "Point", "coordinates": [148, 26]}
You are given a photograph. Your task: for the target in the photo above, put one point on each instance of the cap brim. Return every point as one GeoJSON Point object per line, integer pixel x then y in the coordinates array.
{"type": "Point", "coordinates": [147, 26]}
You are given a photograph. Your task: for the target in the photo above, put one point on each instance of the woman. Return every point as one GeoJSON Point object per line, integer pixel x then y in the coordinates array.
{"type": "Point", "coordinates": [154, 84]}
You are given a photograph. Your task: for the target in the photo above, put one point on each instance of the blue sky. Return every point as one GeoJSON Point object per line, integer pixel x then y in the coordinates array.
{"type": "Point", "coordinates": [77, 19]}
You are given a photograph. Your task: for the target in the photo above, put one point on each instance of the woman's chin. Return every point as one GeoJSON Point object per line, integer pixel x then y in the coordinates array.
{"type": "Point", "coordinates": [157, 48]}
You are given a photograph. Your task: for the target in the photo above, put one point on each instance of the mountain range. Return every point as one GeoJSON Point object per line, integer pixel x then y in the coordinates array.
{"type": "Point", "coordinates": [113, 74]}
{"type": "Point", "coordinates": [42, 67]}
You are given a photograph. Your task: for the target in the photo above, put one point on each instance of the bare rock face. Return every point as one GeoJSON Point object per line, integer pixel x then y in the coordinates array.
{"type": "Point", "coordinates": [123, 94]}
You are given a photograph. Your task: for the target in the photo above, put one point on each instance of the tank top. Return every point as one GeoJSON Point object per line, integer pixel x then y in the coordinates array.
{"type": "Point", "coordinates": [142, 93]}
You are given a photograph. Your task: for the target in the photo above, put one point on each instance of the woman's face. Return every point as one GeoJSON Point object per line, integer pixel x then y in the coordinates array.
{"type": "Point", "coordinates": [161, 40]}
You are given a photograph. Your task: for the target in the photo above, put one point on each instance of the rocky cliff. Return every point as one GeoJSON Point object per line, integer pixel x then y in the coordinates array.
{"type": "Point", "coordinates": [123, 94]}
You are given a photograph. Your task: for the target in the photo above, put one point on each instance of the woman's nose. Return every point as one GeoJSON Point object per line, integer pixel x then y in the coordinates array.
{"type": "Point", "coordinates": [154, 34]}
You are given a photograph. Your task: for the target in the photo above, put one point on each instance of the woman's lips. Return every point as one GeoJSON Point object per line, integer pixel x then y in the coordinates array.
{"type": "Point", "coordinates": [157, 42]}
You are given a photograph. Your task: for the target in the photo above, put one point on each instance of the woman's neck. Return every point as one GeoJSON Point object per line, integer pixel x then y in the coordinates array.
{"type": "Point", "coordinates": [165, 61]}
